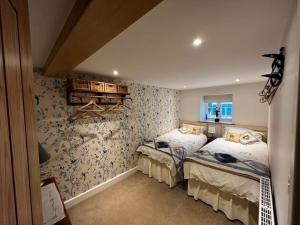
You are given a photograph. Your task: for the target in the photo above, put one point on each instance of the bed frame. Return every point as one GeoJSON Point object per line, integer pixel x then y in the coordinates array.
{"type": "Point", "coordinates": [195, 123]}
{"type": "Point", "coordinates": [261, 129]}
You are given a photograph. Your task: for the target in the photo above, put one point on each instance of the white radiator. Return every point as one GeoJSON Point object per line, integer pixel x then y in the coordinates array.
{"type": "Point", "coordinates": [266, 212]}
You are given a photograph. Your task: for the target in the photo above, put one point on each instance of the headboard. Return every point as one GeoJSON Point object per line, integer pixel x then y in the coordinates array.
{"type": "Point", "coordinates": [196, 123]}
{"type": "Point", "coordinates": [222, 126]}
{"type": "Point", "coordinates": [261, 129]}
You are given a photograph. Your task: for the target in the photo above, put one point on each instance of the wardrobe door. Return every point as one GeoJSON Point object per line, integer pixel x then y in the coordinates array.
{"type": "Point", "coordinates": [17, 99]}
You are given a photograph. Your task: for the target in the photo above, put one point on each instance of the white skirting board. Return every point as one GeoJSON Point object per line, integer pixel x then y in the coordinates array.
{"type": "Point", "coordinates": [101, 187]}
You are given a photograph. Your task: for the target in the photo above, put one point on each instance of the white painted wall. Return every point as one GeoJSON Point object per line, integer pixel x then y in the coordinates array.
{"type": "Point", "coordinates": [247, 109]}
{"type": "Point", "coordinates": [282, 122]}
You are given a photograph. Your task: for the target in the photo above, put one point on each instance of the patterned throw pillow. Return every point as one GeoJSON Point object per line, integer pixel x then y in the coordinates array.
{"type": "Point", "coordinates": [233, 137]}
{"type": "Point", "coordinates": [191, 129]}
{"type": "Point", "coordinates": [237, 130]}
{"type": "Point", "coordinates": [248, 138]}
{"type": "Point", "coordinates": [258, 135]}
{"type": "Point", "coordinates": [195, 130]}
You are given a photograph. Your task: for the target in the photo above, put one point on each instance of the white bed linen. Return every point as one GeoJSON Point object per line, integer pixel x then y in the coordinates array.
{"type": "Point", "coordinates": [175, 138]}
{"type": "Point", "coordinates": [241, 186]}
{"type": "Point", "coordinates": [257, 151]}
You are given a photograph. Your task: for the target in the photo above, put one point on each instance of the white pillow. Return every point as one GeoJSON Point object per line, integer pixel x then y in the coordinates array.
{"type": "Point", "coordinates": [237, 130]}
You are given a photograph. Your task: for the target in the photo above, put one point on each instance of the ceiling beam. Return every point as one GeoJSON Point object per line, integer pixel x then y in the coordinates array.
{"type": "Point", "coordinates": [90, 25]}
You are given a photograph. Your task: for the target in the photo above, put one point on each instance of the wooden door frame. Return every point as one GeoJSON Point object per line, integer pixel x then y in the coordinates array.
{"type": "Point", "coordinates": [26, 87]}
{"type": "Point", "coordinates": [7, 198]}
{"type": "Point", "coordinates": [30, 111]}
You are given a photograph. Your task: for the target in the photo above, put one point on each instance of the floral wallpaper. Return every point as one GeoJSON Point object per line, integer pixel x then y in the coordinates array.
{"type": "Point", "coordinates": [85, 153]}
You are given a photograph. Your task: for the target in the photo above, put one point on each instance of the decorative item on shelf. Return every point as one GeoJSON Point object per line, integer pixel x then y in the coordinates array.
{"type": "Point", "coordinates": [98, 98]}
{"type": "Point", "coordinates": [122, 89]}
{"type": "Point", "coordinates": [211, 131]}
{"type": "Point", "coordinates": [110, 88]}
{"type": "Point", "coordinates": [274, 78]}
{"type": "Point", "coordinates": [217, 119]}
{"type": "Point", "coordinates": [97, 86]}
{"type": "Point", "coordinates": [80, 85]}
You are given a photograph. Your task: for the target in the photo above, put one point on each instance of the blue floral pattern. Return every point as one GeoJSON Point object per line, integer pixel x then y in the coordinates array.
{"type": "Point", "coordinates": [85, 153]}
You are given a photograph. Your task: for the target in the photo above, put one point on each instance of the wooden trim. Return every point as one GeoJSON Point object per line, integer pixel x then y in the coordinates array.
{"type": "Point", "coordinates": [196, 123]}
{"type": "Point", "coordinates": [9, 19]}
{"type": "Point", "coordinates": [261, 129]}
{"type": "Point", "coordinates": [7, 203]}
{"type": "Point", "coordinates": [30, 112]}
{"type": "Point", "coordinates": [99, 23]}
{"type": "Point", "coordinates": [77, 10]}
{"type": "Point", "coordinates": [17, 88]}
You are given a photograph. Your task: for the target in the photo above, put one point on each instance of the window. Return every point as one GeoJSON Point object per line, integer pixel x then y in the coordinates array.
{"type": "Point", "coordinates": [226, 110]}
{"type": "Point", "coordinates": [211, 110]}
{"type": "Point", "coordinates": [220, 103]}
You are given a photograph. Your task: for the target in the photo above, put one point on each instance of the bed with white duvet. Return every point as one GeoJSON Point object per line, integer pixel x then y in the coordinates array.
{"type": "Point", "coordinates": [166, 164]}
{"type": "Point", "coordinates": [230, 187]}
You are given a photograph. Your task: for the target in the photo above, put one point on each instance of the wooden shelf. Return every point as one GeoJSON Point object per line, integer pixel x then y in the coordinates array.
{"type": "Point", "coordinates": [103, 96]}
{"type": "Point", "coordinates": [98, 92]}
{"type": "Point", "coordinates": [80, 92]}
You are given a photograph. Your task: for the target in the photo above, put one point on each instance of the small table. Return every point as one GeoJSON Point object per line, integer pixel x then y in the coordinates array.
{"type": "Point", "coordinates": [210, 139]}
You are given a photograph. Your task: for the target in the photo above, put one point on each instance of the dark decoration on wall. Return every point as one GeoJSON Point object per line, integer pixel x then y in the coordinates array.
{"type": "Point", "coordinates": [274, 78]}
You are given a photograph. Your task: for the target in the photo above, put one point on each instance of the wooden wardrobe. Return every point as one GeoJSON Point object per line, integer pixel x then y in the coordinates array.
{"type": "Point", "coordinates": [20, 195]}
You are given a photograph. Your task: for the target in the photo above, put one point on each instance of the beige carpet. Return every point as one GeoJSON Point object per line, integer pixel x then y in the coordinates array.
{"type": "Point", "coordinates": [140, 200]}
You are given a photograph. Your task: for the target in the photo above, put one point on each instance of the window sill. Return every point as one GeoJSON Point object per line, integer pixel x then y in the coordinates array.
{"type": "Point", "coordinates": [221, 122]}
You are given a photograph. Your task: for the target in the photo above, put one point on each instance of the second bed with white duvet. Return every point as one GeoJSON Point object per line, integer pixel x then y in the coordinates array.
{"type": "Point", "coordinates": [161, 163]}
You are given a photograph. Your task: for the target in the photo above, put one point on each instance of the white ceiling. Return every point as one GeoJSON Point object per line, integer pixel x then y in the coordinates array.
{"type": "Point", "coordinates": [157, 49]}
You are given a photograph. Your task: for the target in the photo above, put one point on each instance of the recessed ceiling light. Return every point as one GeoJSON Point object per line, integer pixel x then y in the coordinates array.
{"type": "Point", "coordinates": [197, 42]}
{"type": "Point", "coordinates": [116, 72]}
{"type": "Point", "coordinates": [184, 86]}
{"type": "Point", "coordinates": [237, 80]}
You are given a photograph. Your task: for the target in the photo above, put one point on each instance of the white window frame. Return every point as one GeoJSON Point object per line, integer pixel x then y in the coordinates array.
{"type": "Point", "coordinates": [206, 109]}
{"type": "Point", "coordinates": [222, 118]}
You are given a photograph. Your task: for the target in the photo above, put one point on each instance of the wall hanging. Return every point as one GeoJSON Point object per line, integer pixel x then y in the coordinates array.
{"type": "Point", "coordinates": [97, 98]}
{"type": "Point", "coordinates": [274, 78]}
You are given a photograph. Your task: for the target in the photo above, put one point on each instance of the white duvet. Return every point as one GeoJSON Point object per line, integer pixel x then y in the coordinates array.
{"type": "Point", "coordinates": [190, 142]}
{"type": "Point", "coordinates": [175, 138]}
{"type": "Point", "coordinates": [257, 151]}
{"type": "Point", "coordinates": [227, 182]}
